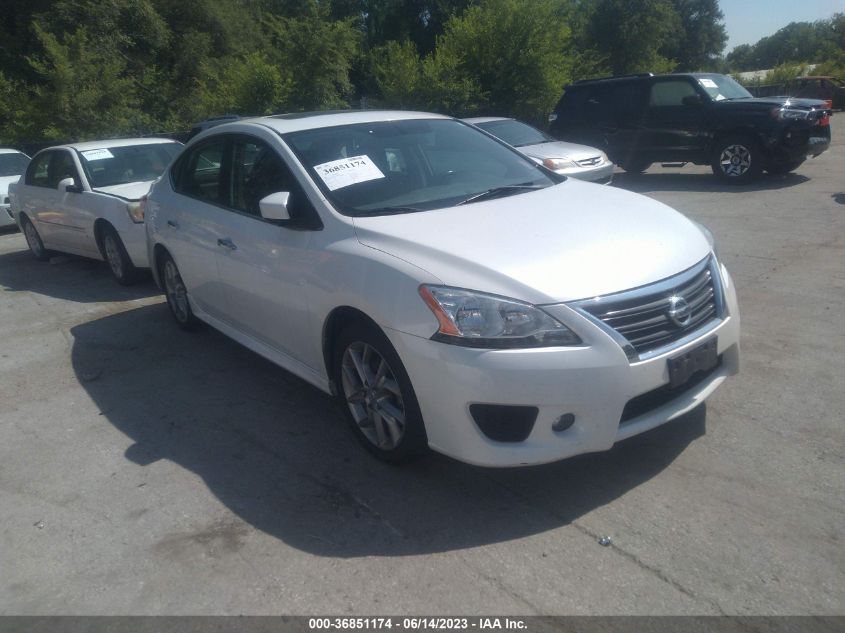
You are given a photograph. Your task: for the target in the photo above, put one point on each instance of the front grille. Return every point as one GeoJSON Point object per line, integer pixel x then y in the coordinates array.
{"type": "Point", "coordinates": [649, 401]}
{"type": "Point", "coordinates": [644, 317]}
{"type": "Point", "coordinates": [589, 162]}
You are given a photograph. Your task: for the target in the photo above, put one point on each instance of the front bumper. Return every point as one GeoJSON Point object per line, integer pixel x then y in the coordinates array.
{"type": "Point", "coordinates": [134, 238]}
{"type": "Point", "coordinates": [593, 382]}
{"type": "Point", "coordinates": [601, 173]}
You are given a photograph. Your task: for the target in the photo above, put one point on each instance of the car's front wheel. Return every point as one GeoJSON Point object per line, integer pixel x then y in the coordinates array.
{"type": "Point", "coordinates": [33, 240]}
{"type": "Point", "coordinates": [737, 159]}
{"type": "Point", "coordinates": [120, 265]}
{"type": "Point", "coordinates": [176, 293]}
{"type": "Point", "coordinates": [377, 395]}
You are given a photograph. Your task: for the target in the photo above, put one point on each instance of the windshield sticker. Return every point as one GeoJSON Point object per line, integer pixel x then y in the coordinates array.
{"type": "Point", "coordinates": [707, 83]}
{"type": "Point", "coordinates": [347, 171]}
{"type": "Point", "coordinates": [97, 154]}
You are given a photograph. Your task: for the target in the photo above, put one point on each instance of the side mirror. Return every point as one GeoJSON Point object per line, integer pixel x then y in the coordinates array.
{"type": "Point", "coordinates": [69, 185]}
{"type": "Point", "coordinates": [692, 100]}
{"type": "Point", "coordinates": [275, 206]}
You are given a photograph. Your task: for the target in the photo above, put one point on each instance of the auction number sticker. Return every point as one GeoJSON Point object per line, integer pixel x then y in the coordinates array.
{"type": "Point", "coordinates": [97, 154]}
{"type": "Point", "coordinates": [347, 171]}
{"type": "Point", "coordinates": [707, 82]}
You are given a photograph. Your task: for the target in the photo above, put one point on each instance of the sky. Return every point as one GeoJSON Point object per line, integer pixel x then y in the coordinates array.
{"type": "Point", "coordinates": [749, 20]}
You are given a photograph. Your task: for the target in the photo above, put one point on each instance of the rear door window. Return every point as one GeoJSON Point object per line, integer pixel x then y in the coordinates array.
{"type": "Point", "coordinates": [671, 93]}
{"type": "Point", "coordinates": [37, 174]}
{"type": "Point", "coordinates": [201, 174]}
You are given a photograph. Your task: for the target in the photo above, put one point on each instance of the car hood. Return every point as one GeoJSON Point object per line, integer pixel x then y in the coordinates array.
{"type": "Point", "coordinates": [571, 241]}
{"type": "Point", "coordinates": [5, 181]}
{"type": "Point", "coordinates": [128, 190]}
{"type": "Point", "coordinates": [773, 102]}
{"type": "Point", "coordinates": [559, 149]}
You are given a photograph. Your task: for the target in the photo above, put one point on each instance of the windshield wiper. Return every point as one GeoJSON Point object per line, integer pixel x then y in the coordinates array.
{"type": "Point", "coordinates": [386, 211]}
{"type": "Point", "coordinates": [495, 191]}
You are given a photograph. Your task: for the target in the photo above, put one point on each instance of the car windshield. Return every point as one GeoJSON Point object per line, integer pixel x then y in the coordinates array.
{"type": "Point", "coordinates": [412, 165]}
{"type": "Point", "coordinates": [515, 133]}
{"type": "Point", "coordinates": [13, 164]}
{"type": "Point", "coordinates": [109, 166]}
{"type": "Point", "coordinates": [722, 88]}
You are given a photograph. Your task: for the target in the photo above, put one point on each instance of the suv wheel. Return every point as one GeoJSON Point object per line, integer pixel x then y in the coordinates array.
{"type": "Point", "coordinates": [784, 168]}
{"type": "Point", "coordinates": [635, 166]}
{"type": "Point", "coordinates": [377, 395]}
{"type": "Point", "coordinates": [737, 159]}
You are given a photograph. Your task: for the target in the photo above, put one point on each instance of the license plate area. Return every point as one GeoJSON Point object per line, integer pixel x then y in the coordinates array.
{"type": "Point", "coordinates": [701, 358]}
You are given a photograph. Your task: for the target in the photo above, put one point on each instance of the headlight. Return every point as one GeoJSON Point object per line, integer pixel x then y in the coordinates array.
{"type": "Point", "coordinates": [791, 115]}
{"type": "Point", "coordinates": [709, 235]}
{"type": "Point", "coordinates": [136, 210]}
{"type": "Point", "coordinates": [475, 319]}
{"type": "Point", "coordinates": [559, 163]}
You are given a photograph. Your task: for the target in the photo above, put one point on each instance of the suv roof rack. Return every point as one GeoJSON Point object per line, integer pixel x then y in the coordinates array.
{"type": "Point", "coordinates": [584, 81]}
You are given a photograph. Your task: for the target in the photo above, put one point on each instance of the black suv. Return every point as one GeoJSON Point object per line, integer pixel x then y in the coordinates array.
{"type": "Point", "coordinates": [701, 118]}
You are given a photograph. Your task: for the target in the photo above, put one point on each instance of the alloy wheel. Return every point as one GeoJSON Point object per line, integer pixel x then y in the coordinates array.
{"type": "Point", "coordinates": [177, 294]}
{"type": "Point", "coordinates": [32, 239]}
{"type": "Point", "coordinates": [372, 394]}
{"type": "Point", "coordinates": [735, 160]}
{"type": "Point", "coordinates": [113, 256]}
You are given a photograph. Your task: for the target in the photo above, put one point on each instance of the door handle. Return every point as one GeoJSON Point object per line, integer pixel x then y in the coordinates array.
{"type": "Point", "coordinates": [172, 224]}
{"type": "Point", "coordinates": [225, 242]}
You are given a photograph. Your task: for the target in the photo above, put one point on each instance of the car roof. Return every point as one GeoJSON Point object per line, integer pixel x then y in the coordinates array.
{"type": "Point", "coordinates": [639, 77]}
{"type": "Point", "coordinates": [295, 122]}
{"type": "Point", "coordinates": [487, 119]}
{"type": "Point", "coordinates": [9, 150]}
{"type": "Point", "coordinates": [114, 142]}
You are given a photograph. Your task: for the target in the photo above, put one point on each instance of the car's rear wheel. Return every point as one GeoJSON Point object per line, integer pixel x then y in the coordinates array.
{"type": "Point", "coordinates": [780, 168]}
{"type": "Point", "coordinates": [737, 159]}
{"type": "Point", "coordinates": [635, 166]}
{"type": "Point", "coordinates": [176, 294]}
{"type": "Point", "coordinates": [33, 240]}
{"type": "Point", "coordinates": [377, 395]}
{"type": "Point", "coordinates": [120, 265]}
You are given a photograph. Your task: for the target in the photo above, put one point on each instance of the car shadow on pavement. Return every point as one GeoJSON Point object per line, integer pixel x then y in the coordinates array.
{"type": "Point", "coordinates": [838, 198]}
{"type": "Point", "coordinates": [68, 277]}
{"type": "Point", "coordinates": [278, 453]}
{"type": "Point", "coordinates": [704, 182]}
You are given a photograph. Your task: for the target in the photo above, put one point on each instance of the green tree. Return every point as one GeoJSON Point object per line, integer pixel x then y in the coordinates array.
{"type": "Point", "coordinates": [635, 34]}
{"type": "Point", "coordinates": [396, 69]}
{"type": "Point", "coordinates": [503, 56]}
{"type": "Point", "coordinates": [703, 34]}
{"type": "Point", "coordinates": [318, 52]}
{"type": "Point", "coordinates": [82, 91]}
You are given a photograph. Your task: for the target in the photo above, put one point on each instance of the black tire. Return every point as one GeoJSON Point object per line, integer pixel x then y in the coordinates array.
{"type": "Point", "coordinates": [33, 240]}
{"type": "Point", "coordinates": [780, 168]}
{"type": "Point", "coordinates": [737, 159]}
{"type": "Point", "coordinates": [635, 166]}
{"type": "Point", "coordinates": [176, 294]}
{"type": "Point", "coordinates": [371, 409]}
{"type": "Point", "coordinates": [117, 259]}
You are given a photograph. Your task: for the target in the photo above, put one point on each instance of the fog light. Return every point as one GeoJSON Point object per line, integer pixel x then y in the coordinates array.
{"type": "Point", "coordinates": [563, 422]}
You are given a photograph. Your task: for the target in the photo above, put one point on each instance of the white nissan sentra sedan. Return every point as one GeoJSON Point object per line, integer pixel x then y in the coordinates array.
{"type": "Point", "coordinates": [451, 292]}
{"type": "Point", "coordinates": [570, 159]}
{"type": "Point", "coordinates": [84, 199]}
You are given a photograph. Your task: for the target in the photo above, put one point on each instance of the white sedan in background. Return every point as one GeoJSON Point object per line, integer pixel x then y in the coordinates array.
{"type": "Point", "coordinates": [85, 199]}
{"type": "Point", "coordinates": [570, 159]}
{"type": "Point", "coordinates": [451, 292]}
{"type": "Point", "coordinates": [12, 164]}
